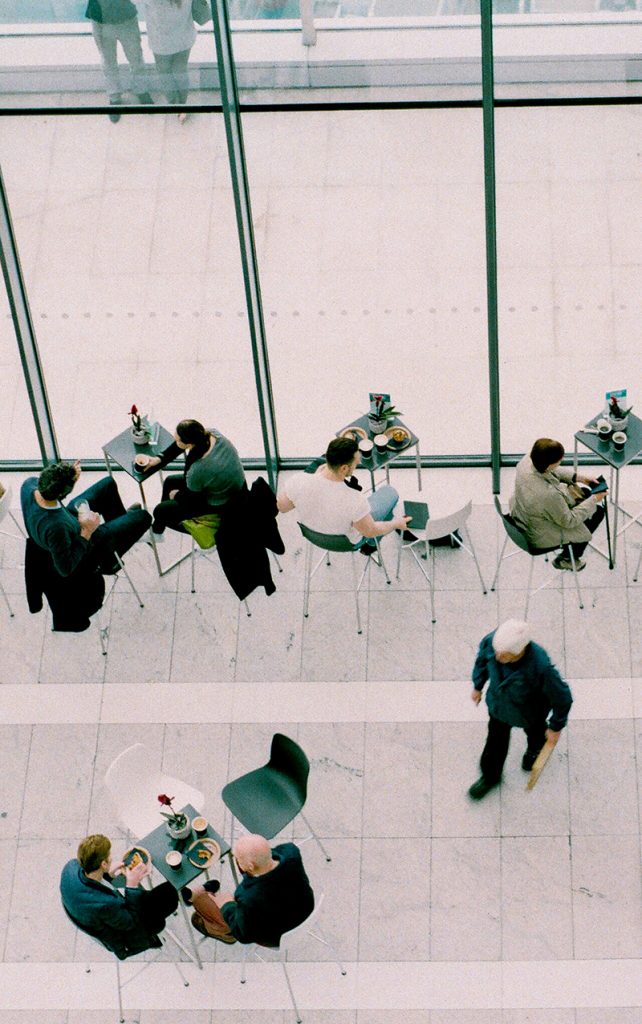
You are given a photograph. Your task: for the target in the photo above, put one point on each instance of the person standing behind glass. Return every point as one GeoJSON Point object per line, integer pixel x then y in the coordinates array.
{"type": "Point", "coordinates": [171, 34]}
{"type": "Point", "coordinates": [213, 474]}
{"type": "Point", "coordinates": [113, 22]}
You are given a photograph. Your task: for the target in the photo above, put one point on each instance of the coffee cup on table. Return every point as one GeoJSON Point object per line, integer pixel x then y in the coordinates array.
{"type": "Point", "coordinates": [200, 825]}
{"type": "Point", "coordinates": [174, 859]}
{"type": "Point", "coordinates": [604, 429]}
{"type": "Point", "coordinates": [619, 440]}
{"type": "Point", "coordinates": [365, 447]}
{"type": "Point", "coordinates": [142, 461]}
{"type": "Point", "coordinates": [381, 442]}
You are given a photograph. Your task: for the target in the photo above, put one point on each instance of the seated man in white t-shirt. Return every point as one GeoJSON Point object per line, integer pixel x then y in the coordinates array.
{"type": "Point", "coordinates": [324, 503]}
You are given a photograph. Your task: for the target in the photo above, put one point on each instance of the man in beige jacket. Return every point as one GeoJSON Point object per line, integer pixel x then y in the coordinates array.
{"type": "Point", "coordinates": [545, 506]}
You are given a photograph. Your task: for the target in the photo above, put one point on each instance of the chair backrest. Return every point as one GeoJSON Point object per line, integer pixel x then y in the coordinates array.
{"type": "Point", "coordinates": [5, 502]}
{"type": "Point", "coordinates": [514, 531]}
{"type": "Point", "coordinates": [327, 541]}
{"type": "Point", "coordinates": [289, 938]}
{"type": "Point", "coordinates": [287, 757]}
{"type": "Point", "coordinates": [446, 525]}
{"type": "Point", "coordinates": [134, 785]}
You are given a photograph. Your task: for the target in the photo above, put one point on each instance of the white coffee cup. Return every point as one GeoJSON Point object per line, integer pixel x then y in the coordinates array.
{"type": "Point", "coordinates": [619, 440]}
{"type": "Point", "coordinates": [365, 447]}
{"type": "Point", "coordinates": [381, 442]}
{"type": "Point", "coordinates": [174, 858]}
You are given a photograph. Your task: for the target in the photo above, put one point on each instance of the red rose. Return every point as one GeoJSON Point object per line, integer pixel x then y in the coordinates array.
{"type": "Point", "coordinates": [165, 800]}
{"type": "Point", "coordinates": [133, 411]}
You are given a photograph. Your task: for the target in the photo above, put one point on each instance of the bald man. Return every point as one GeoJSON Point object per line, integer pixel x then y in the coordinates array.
{"type": "Point", "coordinates": [273, 896]}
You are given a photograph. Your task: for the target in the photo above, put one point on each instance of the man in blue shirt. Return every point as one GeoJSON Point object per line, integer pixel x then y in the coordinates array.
{"type": "Point", "coordinates": [523, 688]}
{"type": "Point", "coordinates": [73, 534]}
{"type": "Point", "coordinates": [273, 896]}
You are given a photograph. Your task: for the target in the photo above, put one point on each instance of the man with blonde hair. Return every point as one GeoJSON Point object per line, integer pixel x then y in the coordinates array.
{"type": "Point", "coordinates": [273, 896]}
{"type": "Point", "coordinates": [523, 688]}
{"type": "Point", "coordinates": [126, 923]}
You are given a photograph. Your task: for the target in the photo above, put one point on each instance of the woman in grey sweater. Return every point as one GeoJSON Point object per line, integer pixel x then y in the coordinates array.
{"type": "Point", "coordinates": [213, 474]}
{"type": "Point", "coordinates": [171, 34]}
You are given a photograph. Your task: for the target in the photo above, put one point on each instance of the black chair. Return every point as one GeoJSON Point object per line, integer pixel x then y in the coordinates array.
{"type": "Point", "coordinates": [269, 798]}
{"type": "Point", "coordinates": [519, 538]}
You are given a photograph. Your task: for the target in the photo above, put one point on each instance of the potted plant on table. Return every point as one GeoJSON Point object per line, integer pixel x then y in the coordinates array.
{"type": "Point", "coordinates": [380, 413]}
{"type": "Point", "coordinates": [141, 430]}
{"type": "Point", "coordinates": [178, 824]}
{"type": "Point", "coordinates": [618, 415]}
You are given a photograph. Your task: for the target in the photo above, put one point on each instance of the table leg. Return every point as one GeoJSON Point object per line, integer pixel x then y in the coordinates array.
{"type": "Point", "coordinates": [575, 457]}
{"type": "Point", "coordinates": [190, 931]}
{"type": "Point", "coordinates": [230, 857]}
{"type": "Point", "coordinates": [418, 468]}
{"type": "Point", "coordinates": [108, 463]}
{"type": "Point", "coordinates": [615, 516]}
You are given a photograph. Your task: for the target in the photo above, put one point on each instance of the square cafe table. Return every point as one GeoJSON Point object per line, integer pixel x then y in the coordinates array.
{"type": "Point", "coordinates": [616, 461]}
{"type": "Point", "coordinates": [382, 460]}
{"type": "Point", "coordinates": [159, 843]}
{"type": "Point", "coordinates": [122, 451]}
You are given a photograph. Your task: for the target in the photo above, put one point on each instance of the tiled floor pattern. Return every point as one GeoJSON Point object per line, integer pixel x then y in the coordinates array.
{"type": "Point", "coordinates": [524, 909]}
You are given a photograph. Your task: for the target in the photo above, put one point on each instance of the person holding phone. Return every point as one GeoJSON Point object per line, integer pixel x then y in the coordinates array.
{"type": "Point", "coordinates": [549, 507]}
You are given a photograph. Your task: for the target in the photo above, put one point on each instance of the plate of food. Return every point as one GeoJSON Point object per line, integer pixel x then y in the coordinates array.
{"type": "Point", "coordinates": [398, 437]}
{"type": "Point", "coordinates": [202, 851]}
{"type": "Point", "coordinates": [136, 855]}
{"type": "Point", "coordinates": [357, 433]}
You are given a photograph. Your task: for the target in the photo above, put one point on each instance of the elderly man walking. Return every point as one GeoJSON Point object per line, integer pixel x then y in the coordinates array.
{"type": "Point", "coordinates": [524, 687]}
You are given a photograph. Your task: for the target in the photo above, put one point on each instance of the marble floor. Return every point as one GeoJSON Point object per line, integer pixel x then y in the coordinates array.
{"type": "Point", "coordinates": [523, 909]}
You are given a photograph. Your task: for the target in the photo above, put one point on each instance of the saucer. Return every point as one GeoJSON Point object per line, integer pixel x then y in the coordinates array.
{"type": "Point", "coordinates": [203, 851]}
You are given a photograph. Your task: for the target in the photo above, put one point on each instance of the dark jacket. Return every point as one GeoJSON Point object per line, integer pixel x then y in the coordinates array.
{"type": "Point", "coordinates": [267, 905]}
{"type": "Point", "coordinates": [57, 530]}
{"type": "Point", "coordinates": [102, 912]}
{"type": "Point", "coordinates": [524, 692]}
{"type": "Point", "coordinates": [72, 599]}
{"type": "Point", "coordinates": [248, 530]}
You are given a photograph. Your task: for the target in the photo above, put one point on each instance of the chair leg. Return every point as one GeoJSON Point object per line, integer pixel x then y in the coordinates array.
{"type": "Point", "coordinates": [399, 550]}
{"type": "Point", "coordinates": [356, 592]}
{"type": "Point", "coordinates": [308, 569]}
{"type": "Point", "coordinates": [474, 554]}
{"type": "Point", "coordinates": [298, 1016]}
{"type": "Point", "coordinates": [193, 561]}
{"type": "Point", "coordinates": [432, 584]}
{"type": "Point", "coordinates": [121, 1015]}
{"type": "Point", "coordinates": [528, 591]}
{"type": "Point", "coordinates": [326, 942]}
{"type": "Point", "coordinates": [177, 942]}
{"type": "Point", "coordinates": [247, 610]}
{"type": "Point", "coordinates": [17, 525]}
{"type": "Point", "coordinates": [381, 561]}
{"type": "Point", "coordinates": [575, 574]}
{"type": "Point", "coordinates": [129, 579]}
{"type": "Point", "coordinates": [4, 594]}
{"type": "Point", "coordinates": [637, 568]}
{"type": "Point", "coordinates": [316, 838]}
{"type": "Point", "coordinates": [499, 564]}
{"type": "Point", "coordinates": [249, 948]}
{"type": "Point", "coordinates": [278, 564]}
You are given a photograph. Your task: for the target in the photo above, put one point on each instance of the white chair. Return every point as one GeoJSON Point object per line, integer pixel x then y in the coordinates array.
{"type": "Point", "coordinates": [288, 939]}
{"type": "Point", "coordinates": [120, 984]}
{"type": "Point", "coordinates": [444, 526]}
{"type": "Point", "coordinates": [5, 510]}
{"type": "Point", "coordinates": [134, 785]}
{"type": "Point", "coordinates": [337, 542]}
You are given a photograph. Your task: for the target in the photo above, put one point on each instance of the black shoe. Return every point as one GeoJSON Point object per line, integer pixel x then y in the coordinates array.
{"type": "Point", "coordinates": [114, 116]}
{"type": "Point", "coordinates": [144, 97]}
{"type": "Point", "coordinates": [212, 885]}
{"type": "Point", "coordinates": [529, 759]}
{"type": "Point", "coordinates": [368, 548]}
{"type": "Point", "coordinates": [135, 507]}
{"type": "Point", "coordinates": [186, 895]}
{"type": "Point", "coordinates": [479, 789]}
{"type": "Point", "coordinates": [110, 570]}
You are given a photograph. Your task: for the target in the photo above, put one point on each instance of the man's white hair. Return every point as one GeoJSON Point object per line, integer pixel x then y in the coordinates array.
{"type": "Point", "coordinates": [511, 637]}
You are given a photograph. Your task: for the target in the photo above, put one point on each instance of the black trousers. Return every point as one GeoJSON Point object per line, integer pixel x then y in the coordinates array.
{"type": "Point", "coordinates": [158, 904]}
{"type": "Point", "coordinates": [496, 749]}
{"type": "Point", "coordinates": [121, 528]}
{"type": "Point", "coordinates": [579, 547]}
{"type": "Point", "coordinates": [172, 511]}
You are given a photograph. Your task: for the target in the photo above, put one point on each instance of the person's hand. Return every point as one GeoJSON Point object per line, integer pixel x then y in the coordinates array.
{"type": "Point", "coordinates": [117, 869]}
{"type": "Point", "coordinates": [222, 897]}
{"type": "Point", "coordinates": [590, 481]}
{"type": "Point", "coordinates": [552, 737]}
{"type": "Point", "coordinates": [89, 522]}
{"type": "Point", "coordinates": [154, 460]}
{"type": "Point", "coordinates": [475, 696]}
{"type": "Point", "coordinates": [172, 495]}
{"type": "Point", "coordinates": [402, 522]}
{"type": "Point", "coordinates": [134, 875]}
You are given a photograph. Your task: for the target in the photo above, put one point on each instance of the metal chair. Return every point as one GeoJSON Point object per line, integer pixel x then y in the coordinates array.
{"type": "Point", "coordinates": [120, 984]}
{"type": "Point", "coordinates": [269, 798]}
{"type": "Point", "coordinates": [197, 551]}
{"type": "Point", "coordinates": [519, 538]}
{"type": "Point", "coordinates": [444, 526]}
{"type": "Point", "coordinates": [134, 787]}
{"type": "Point", "coordinates": [637, 568]}
{"type": "Point", "coordinates": [287, 940]}
{"type": "Point", "coordinates": [103, 631]}
{"type": "Point", "coordinates": [337, 542]}
{"type": "Point", "coordinates": [5, 510]}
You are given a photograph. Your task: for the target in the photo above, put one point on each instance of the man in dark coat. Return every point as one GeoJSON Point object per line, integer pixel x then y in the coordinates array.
{"type": "Point", "coordinates": [273, 896]}
{"type": "Point", "coordinates": [524, 687]}
{"type": "Point", "coordinates": [125, 924]}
